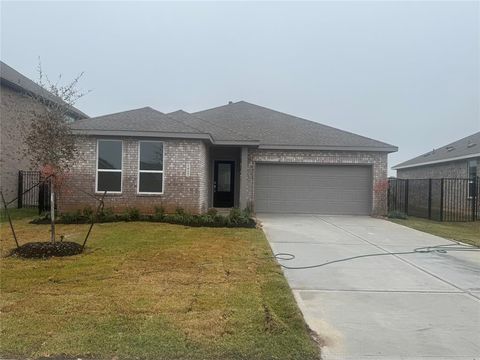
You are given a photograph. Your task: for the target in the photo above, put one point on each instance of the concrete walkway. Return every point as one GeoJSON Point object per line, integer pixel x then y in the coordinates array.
{"type": "Point", "coordinates": [408, 306]}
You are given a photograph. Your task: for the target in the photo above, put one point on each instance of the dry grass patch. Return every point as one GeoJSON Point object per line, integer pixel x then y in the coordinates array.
{"type": "Point", "coordinates": [150, 291]}
{"type": "Point", "coordinates": [467, 232]}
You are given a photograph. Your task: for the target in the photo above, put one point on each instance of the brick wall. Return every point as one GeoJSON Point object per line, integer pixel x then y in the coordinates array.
{"type": "Point", "coordinates": [378, 161]}
{"type": "Point", "coordinates": [16, 113]}
{"type": "Point", "coordinates": [182, 188]}
{"type": "Point", "coordinates": [453, 169]}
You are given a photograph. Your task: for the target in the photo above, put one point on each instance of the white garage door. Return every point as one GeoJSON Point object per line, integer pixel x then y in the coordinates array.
{"type": "Point", "coordinates": [313, 189]}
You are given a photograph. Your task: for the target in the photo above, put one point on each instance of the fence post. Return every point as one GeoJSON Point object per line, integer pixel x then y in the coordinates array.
{"type": "Point", "coordinates": [474, 198]}
{"type": "Point", "coordinates": [429, 199]}
{"type": "Point", "coordinates": [388, 195]}
{"type": "Point", "coordinates": [441, 199]}
{"type": "Point", "coordinates": [406, 197]}
{"type": "Point", "coordinates": [20, 190]}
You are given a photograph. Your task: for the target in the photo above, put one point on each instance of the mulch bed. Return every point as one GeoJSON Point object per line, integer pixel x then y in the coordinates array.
{"type": "Point", "coordinates": [48, 249]}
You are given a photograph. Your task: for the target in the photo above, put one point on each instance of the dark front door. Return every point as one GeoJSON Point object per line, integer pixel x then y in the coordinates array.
{"type": "Point", "coordinates": [223, 183]}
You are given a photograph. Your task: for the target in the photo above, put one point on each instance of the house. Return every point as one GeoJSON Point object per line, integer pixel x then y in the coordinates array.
{"type": "Point", "coordinates": [460, 159]}
{"type": "Point", "coordinates": [16, 113]}
{"type": "Point", "coordinates": [236, 155]}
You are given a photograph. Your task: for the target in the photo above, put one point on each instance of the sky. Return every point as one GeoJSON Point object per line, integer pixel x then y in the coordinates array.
{"type": "Point", "coordinates": [407, 73]}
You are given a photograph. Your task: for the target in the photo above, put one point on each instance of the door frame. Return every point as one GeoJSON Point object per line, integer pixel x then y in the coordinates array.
{"type": "Point", "coordinates": [232, 180]}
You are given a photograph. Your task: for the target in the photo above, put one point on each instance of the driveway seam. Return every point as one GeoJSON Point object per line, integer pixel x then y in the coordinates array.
{"type": "Point", "coordinates": [401, 259]}
{"type": "Point", "coordinates": [382, 291]}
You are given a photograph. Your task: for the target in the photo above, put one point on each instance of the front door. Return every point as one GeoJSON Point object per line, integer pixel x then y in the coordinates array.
{"type": "Point", "coordinates": [223, 183]}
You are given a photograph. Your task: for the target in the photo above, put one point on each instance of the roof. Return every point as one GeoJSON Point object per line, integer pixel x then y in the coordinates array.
{"type": "Point", "coordinates": [275, 129]}
{"type": "Point", "coordinates": [465, 148]}
{"type": "Point", "coordinates": [238, 123]}
{"type": "Point", "coordinates": [220, 134]}
{"type": "Point", "coordinates": [138, 122]}
{"type": "Point", "coordinates": [12, 78]}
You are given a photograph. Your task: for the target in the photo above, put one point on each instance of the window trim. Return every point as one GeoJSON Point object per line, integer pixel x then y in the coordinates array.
{"type": "Point", "coordinates": [151, 171]}
{"type": "Point", "coordinates": [108, 170]}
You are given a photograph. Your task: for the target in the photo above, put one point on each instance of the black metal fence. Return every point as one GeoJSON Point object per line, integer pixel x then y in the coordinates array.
{"type": "Point", "coordinates": [33, 191]}
{"type": "Point", "coordinates": [435, 199]}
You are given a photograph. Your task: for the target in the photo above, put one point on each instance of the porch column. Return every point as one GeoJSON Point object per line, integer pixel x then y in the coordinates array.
{"type": "Point", "coordinates": [243, 177]}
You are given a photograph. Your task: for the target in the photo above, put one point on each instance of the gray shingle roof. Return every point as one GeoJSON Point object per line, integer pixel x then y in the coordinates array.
{"type": "Point", "coordinates": [218, 131]}
{"type": "Point", "coordinates": [138, 120]}
{"type": "Point", "coordinates": [274, 128]}
{"type": "Point", "coordinates": [467, 147]}
{"type": "Point", "coordinates": [236, 123]}
{"type": "Point", "coordinates": [14, 79]}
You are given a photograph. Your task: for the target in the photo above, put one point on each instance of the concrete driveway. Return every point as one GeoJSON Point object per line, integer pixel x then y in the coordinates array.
{"type": "Point", "coordinates": [407, 306]}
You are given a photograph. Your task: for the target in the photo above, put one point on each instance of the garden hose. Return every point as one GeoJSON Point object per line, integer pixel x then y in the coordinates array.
{"type": "Point", "coordinates": [441, 249]}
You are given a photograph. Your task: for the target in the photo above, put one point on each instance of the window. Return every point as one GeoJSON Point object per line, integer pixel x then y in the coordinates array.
{"type": "Point", "coordinates": [150, 167]}
{"type": "Point", "coordinates": [472, 175]}
{"type": "Point", "coordinates": [109, 166]}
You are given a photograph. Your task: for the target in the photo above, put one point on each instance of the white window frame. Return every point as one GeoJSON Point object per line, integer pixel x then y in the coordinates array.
{"type": "Point", "coordinates": [109, 170]}
{"type": "Point", "coordinates": [151, 171]}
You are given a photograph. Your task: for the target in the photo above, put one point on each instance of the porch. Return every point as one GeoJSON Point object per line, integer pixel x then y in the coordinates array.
{"type": "Point", "coordinates": [227, 177]}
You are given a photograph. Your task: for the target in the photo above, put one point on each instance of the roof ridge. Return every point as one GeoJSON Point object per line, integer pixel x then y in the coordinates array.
{"type": "Point", "coordinates": [120, 112]}
{"type": "Point", "coordinates": [233, 132]}
{"type": "Point", "coordinates": [188, 125]}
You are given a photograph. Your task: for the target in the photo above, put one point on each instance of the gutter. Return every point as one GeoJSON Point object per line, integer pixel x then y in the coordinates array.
{"type": "Point", "coordinates": [389, 149]}
{"type": "Point", "coordinates": [156, 134]}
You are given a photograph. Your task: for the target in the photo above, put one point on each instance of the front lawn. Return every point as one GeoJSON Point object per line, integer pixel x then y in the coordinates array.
{"type": "Point", "coordinates": [467, 232]}
{"type": "Point", "coordinates": [150, 291]}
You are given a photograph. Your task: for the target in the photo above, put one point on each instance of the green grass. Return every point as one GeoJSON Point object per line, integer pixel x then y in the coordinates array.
{"type": "Point", "coordinates": [467, 232]}
{"type": "Point", "coordinates": [150, 291]}
{"type": "Point", "coordinates": [17, 214]}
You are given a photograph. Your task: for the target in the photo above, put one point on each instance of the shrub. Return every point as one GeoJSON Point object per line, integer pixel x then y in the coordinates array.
{"type": "Point", "coordinates": [397, 215]}
{"type": "Point", "coordinates": [236, 218]}
{"type": "Point", "coordinates": [180, 211]}
{"type": "Point", "coordinates": [212, 212]}
{"type": "Point", "coordinates": [132, 214]}
{"type": "Point", "coordinates": [159, 212]}
{"type": "Point", "coordinates": [87, 212]}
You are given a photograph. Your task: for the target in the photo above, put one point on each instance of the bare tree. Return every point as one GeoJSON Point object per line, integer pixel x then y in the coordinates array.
{"type": "Point", "coordinates": [49, 140]}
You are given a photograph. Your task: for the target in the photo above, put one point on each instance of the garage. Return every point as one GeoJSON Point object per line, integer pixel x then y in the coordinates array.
{"type": "Point", "coordinates": [314, 189]}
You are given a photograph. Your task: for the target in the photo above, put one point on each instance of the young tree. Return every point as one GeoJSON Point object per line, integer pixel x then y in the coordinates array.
{"type": "Point", "coordinates": [49, 140]}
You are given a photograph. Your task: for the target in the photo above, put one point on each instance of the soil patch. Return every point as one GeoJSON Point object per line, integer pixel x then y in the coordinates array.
{"type": "Point", "coordinates": [48, 249]}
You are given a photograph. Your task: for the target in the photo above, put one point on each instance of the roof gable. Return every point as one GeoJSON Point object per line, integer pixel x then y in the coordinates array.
{"type": "Point", "coordinates": [144, 119]}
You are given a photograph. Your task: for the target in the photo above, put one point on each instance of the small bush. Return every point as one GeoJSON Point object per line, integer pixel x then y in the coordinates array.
{"type": "Point", "coordinates": [180, 211]}
{"type": "Point", "coordinates": [236, 218]}
{"type": "Point", "coordinates": [212, 212]}
{"type": "Point", "coordinates": [397, 215]}
{"type": "Point", "coordinates": [87, 211]}
{"type": "Point", "coordinates": [159, 212]}
{"type": "Point", "coordinates": [132, 214]}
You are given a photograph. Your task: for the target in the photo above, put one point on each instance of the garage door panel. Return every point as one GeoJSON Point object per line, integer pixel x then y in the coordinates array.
{"type": "Point", "coordinates": [292, 188]}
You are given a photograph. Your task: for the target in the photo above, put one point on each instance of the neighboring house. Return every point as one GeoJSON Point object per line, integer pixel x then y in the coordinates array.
{"type": "Point", "coordinates": [17, 107]}
{"type": "Point", "coordinates": [237, 155]}
{"type": "Point", "coordinates": [460, 159]}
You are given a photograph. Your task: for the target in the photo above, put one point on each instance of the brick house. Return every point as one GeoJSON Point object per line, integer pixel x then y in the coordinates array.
{"type": "Point", "coordinates": [237, 155]}
{"type": "Point", "coordinates": [16, 113]}
{"type": "Point", "coordinates": [460, 159]}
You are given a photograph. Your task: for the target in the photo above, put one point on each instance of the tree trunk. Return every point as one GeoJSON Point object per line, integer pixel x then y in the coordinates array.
{"type": "Point", "coordinates": [52, 211]}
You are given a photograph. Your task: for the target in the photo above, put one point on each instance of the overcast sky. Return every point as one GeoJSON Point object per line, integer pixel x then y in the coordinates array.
{"type": "Point", "coordinates": [406, 73]}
